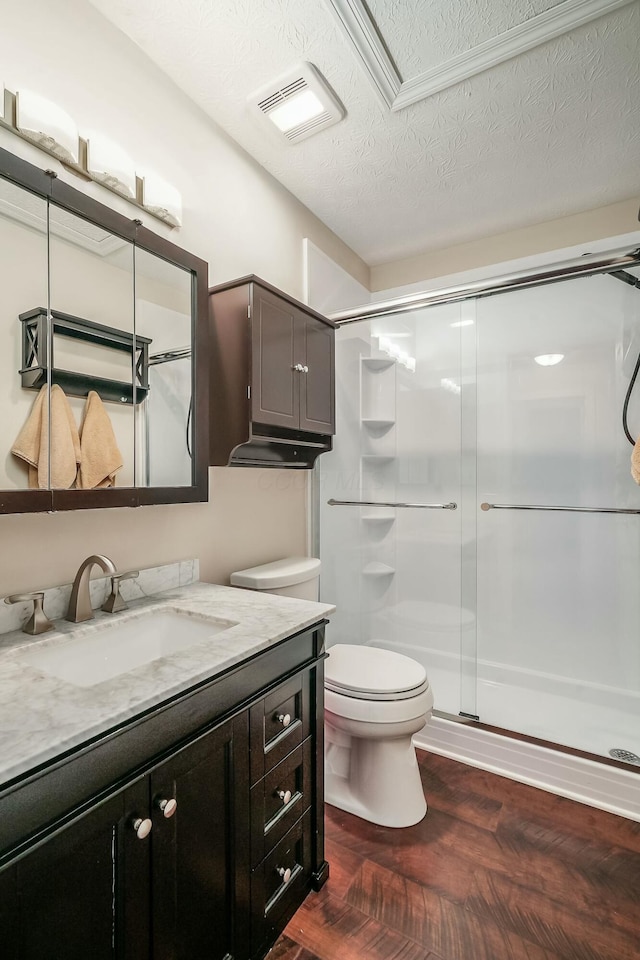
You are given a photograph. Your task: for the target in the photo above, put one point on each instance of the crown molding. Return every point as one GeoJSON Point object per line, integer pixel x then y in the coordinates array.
{"type": "Point", "coordinates": [396, 93]}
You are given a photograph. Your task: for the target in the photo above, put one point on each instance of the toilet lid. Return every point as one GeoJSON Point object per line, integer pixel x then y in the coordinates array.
{"type": "Point", "coordinates": [370, 673]}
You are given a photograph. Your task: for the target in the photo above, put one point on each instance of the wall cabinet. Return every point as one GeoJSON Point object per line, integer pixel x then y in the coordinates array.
{"type": "Point", "coordinates": [204, 851]}
{"type": "Point", "coordinates": [96, 303]}
{"type": "Point", "coordinates": [272, 377]}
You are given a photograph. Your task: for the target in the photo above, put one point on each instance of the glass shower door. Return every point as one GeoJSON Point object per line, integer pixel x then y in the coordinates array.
{"type": "Point", "coordinates": [558, 603]}
{"type": "Point", "coordinates": [391, 539]}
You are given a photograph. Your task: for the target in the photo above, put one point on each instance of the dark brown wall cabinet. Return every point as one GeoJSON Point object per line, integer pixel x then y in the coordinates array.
{"type": "Point", "coordinates": [272, 377]}
{"type": "Point", "coordinates": [122, 875]}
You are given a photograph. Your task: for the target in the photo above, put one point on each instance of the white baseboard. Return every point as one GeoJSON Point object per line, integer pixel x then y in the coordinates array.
{"type": "Point", "coordinates": [587, 781]}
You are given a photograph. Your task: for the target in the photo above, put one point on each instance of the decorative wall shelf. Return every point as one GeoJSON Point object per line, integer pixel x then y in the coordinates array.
{"type": "Point", "coordinates": [36, 360]}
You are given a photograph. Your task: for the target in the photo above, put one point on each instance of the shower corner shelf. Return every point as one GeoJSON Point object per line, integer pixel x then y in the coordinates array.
{"type": "Point", "coordinates": [385, 516]}
{"type": "Point", "coordinates": [377, 569]}
{"type": "Point", "coordinates": [374, 424]}
{"type": "Point", "coordinates": [377, 363]}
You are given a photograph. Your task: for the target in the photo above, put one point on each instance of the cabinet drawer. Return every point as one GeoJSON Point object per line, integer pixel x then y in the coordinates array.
{"type": "Point", "coordinates": [279, 800]}
{"type": "Point", "coordinates": [279, 884]}
{"type": "Point", "coordinates": [279, 724]}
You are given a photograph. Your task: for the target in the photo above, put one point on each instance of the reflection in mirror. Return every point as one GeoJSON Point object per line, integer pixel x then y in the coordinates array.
{"type": "Point", "coordinates": [93, 357]}
{"type": "Point", "coordinates": [23, 282]}
{"type": "Point", "coordinates": [164, 427]}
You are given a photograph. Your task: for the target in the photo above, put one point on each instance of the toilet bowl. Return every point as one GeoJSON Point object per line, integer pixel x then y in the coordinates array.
{"type": "Point", "coordinates": [375, 700]}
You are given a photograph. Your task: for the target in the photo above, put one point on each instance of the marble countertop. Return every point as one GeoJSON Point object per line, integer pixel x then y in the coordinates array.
{"type": "Point", "coordinates": [42, 717]}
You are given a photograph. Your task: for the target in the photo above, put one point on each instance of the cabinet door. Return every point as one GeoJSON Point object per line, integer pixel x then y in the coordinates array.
{"type": "Point", "coordinates": [317, 382]}
{"type": "Point", "coordinates": [201, 853]}
{"type": "Point", "coordinates": [69, 893]}
{"type": "Point", "coordinates": [274, 391]}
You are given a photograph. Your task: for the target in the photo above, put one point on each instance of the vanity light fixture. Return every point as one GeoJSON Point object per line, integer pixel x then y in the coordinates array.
{"type": "Point", "coordinates": [549, 359]}
{"type": "Point", "coordinates": [298, 103]}
{"type": "Point", "coordinates": [161, 199]}
{"type": "Point", "coordinates": [94, 157]}
{"type": "Point", "coordinates": [110, 165]}
{"type": "Point", "coordinates": [47, 125]}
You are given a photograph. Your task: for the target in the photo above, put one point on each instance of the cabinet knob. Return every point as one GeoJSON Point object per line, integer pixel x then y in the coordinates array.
{"type": "Point", "coordinates": [167, 807]}
{"type": "Point", "coordinates": [298, 367]}
{"type": "Point", "coordinates": [142, 827]}
{"type": "Point", "coordinates": [284, 719]}
{"type": "Point", "coordinates": [285, 873]}
{"type": "Point", "coordinates": [305, 368]}
{"type": "Point", "coordinates": [285, 796]}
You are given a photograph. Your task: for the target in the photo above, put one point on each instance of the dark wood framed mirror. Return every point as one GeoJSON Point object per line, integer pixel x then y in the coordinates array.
{"type": "Point", "coordinates": [103, 354]}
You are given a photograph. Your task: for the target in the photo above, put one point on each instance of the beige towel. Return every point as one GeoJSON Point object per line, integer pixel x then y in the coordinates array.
{"type": "Point", "coordinates": [32, 443]}
{"type": "Point", "coordinates": [635, 462]}
{"type": "Point", "coordinates": [100, 456]}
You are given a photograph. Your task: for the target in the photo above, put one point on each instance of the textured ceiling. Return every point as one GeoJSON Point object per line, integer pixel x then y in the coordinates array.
{"type": "Point", "coordinates": [549, 132]}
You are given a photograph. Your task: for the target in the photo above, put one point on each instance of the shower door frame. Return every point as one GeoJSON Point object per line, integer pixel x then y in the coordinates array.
{"type": "Point", "coordinates": [586, 265]}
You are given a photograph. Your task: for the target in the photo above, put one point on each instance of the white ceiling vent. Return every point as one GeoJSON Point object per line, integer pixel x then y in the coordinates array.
{"type": "Point", "coordinates": [298, 103]}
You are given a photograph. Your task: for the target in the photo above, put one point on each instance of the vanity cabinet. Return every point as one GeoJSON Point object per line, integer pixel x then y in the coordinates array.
{"type": "Point", "coordinates": [92, 865]}
{"type": "Point", "coordinates": [272, 377]}
{"type": "Point", "coordinates": [66, 897]}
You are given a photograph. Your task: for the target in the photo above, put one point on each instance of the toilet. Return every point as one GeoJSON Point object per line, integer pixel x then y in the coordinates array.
{"type": "Point", "coordinates": [375, 700]}
{"type": "Point", "coordinates": [291, 577]}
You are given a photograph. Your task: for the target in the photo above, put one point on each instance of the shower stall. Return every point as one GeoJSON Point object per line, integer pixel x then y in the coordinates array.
{"type": "Point", "coordinates": [478, 512]}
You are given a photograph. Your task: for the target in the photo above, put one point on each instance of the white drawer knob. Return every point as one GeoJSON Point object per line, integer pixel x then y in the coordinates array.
{"type": "Point", "coordinates": [285, 796]}
{"type": "Point", "coordinates": [284, 873]}
{"type": "Point", "coordinates": [142, 827]}
{"type": "Point", "coordinates": [284, 719]}
{"type": "Point", "coordinates": [167, 807]}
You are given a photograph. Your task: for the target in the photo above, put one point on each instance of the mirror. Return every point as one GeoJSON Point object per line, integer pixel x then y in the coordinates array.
{"type": "Point", "coordinates": [92, 355]}
{"type": "Point", "coordinates": [24, 284]}
{"type": "Point", "coordinates": [163, 314]}
{"type": "Point", "coordinates": [103, 388]}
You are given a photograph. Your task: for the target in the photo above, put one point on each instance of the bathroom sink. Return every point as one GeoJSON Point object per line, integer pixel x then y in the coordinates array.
{"type": "Point", "coordinates": [101, 653]}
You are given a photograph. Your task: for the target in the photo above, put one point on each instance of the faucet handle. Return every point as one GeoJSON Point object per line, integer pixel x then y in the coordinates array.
{"type": "Point", "coordinates": [114, 601]}
{"type": "Point", "coordinates": [38, 622]}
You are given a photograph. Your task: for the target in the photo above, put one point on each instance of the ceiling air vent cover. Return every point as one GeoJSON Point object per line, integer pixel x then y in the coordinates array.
{"type": "Point", "coordinates": [298, 103]}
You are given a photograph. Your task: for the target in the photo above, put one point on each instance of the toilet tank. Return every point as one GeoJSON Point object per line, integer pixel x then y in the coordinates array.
{"type": "Point", "coordinates": [291, 577]}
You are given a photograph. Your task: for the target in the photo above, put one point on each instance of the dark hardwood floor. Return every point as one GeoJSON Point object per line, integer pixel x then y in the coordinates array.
{"type": "Point", "coordinates": [496, 871]}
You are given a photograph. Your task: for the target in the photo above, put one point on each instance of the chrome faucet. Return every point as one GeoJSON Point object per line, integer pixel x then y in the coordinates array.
{"type": "Point", "coordinates": [80, 600]}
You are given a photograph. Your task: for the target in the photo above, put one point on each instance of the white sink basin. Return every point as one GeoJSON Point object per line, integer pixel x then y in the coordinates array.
{"type": "Point", "coordinates": [96, 655]}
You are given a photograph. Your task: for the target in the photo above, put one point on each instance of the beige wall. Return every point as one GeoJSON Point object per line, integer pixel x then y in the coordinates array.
{"type": "Point", "coordinates": [254, 516]}
{"type": "Point", "coordinates": [235, 216]}
{"type": "Point", "coordinates": [611, 221]}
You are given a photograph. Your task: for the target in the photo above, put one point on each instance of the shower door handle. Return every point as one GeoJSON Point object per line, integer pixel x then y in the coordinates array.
{"type": "Point", "coordinates": [385, 503]}
{"type": "Point", "coordinates": [523, 506]}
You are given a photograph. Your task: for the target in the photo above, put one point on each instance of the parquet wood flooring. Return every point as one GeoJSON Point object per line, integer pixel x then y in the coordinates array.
{"type": "Point", "coordinates": [496, 871]}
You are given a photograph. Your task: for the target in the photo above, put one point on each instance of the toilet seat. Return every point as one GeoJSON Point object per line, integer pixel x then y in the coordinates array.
{"type": "Point", "coordinates": [370, 673]}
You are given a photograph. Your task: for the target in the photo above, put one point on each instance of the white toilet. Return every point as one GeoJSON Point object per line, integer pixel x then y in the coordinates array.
{"type": "Point", "coordinates": [291, 577]}
{"type": "Point", "coordinates": [375, 700]}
